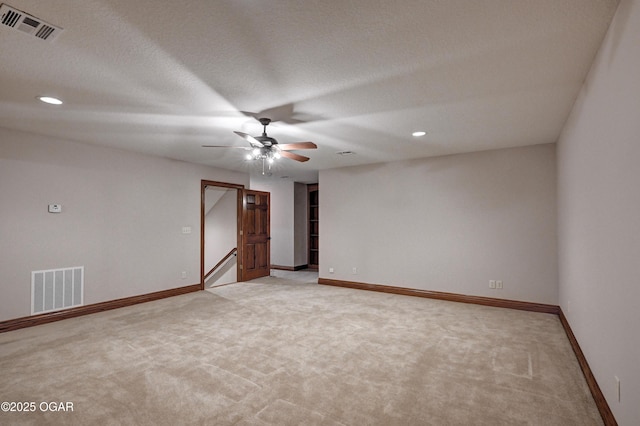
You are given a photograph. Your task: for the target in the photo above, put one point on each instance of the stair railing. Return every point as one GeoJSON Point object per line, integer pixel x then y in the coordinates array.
{"type": "Point", "coordinates": [232, 252]}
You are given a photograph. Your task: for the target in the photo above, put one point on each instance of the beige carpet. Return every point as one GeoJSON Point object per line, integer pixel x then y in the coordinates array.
{"type": "Point", "coordinates": [282, 351]}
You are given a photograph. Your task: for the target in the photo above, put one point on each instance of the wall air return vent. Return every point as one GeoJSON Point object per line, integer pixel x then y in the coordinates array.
{"type": "Point", "coordinates": [26, 23]}
{"type": "Point", "coordinates": [55, 289]}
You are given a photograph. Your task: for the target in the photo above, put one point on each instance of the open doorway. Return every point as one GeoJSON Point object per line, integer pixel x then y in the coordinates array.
{"type": "Point", "coordinates": [234, 234]}
{"type": "Point", "coordinates": [220, 233]}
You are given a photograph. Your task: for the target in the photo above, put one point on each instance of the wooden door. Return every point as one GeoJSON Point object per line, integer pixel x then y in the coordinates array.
{"type": "Point", "coordinates": [256, 260]}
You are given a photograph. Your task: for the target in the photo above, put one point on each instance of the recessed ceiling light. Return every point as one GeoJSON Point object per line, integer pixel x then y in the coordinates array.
{"type": "Point", "coordinates": [418, 134]}
{"type": "Point", "coordinates": [50, 100]}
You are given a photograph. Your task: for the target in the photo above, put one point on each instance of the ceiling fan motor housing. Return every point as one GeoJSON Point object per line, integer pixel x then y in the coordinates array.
{"type": "Point", "coordinates": [267, 140]}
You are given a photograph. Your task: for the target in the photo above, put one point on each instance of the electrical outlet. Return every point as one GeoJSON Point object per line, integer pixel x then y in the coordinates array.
{"type": "Point", "coordinates": [492, 283]}
{"type": "Point", "coordinates": [354, 270]}
{"type": "Point", "coordinates": [183, 275]}
{"type": "Point", "coordinates": [499, 284]}
{"type": "Point", "coordinates": [331, 270]}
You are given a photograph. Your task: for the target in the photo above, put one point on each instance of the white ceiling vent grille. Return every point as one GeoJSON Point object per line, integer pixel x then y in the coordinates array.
{"type": "Point", "coordinates": [29, 24]}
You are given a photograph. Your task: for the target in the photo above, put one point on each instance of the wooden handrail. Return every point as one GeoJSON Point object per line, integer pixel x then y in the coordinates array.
{"type": "Point", "coordinates": [224, 259]}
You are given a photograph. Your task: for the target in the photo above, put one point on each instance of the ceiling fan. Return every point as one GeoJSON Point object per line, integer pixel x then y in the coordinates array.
{"type": "Point", "coordinates": [268, 149]}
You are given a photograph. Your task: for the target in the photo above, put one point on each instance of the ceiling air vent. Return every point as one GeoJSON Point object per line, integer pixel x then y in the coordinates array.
{"type": "Point", "coordinates": [29, 24]}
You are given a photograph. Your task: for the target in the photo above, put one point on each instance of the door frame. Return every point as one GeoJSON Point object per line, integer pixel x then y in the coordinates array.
{"type": "Point", "coordinates": [239, 208]}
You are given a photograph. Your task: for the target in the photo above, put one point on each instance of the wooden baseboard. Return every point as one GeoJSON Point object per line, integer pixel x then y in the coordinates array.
{"type": "Point", "coordinates": [289, 268]}
{"type": "Point", "coordinates": [452, 297]}
{"type": "Point", "coordinates": [30, 321]}
{"type": "Point", "coordinates": [598, 396]}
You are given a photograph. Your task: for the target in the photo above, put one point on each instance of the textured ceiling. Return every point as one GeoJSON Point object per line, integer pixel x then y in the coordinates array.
{"type": "Point", "coordinates": [166, 77]}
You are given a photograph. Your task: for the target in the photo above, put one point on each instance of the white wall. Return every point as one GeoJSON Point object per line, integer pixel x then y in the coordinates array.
{"type": "Point", "coordinates": [122, 218]}
{"type": "Point", "coordinates": [446, 224]}
{"type": "Point", "coordinates": [288, 220]}
{"type": "Point", "coordinates": [599, 215]}
{"type": "Point", "coordinates": [221, 234]}
{"type": "Point", "coordinates": [281, 210]}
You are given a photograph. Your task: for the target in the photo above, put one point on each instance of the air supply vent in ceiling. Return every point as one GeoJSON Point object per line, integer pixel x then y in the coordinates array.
{"type": "Point", "coordinates": [26, 23]}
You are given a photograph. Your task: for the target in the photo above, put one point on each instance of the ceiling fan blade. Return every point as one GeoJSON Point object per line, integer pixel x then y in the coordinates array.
{"type": "Point", "coordinates": [297, 145]}
{"type": "Point", "coordinates": [253, 141]}
{"type": "Point", "coordinates": [226, 146]}
{"type": "Point", "coordinates": [294, 156]}
{"type": "Point", "coordinates": [282, 113]}
{"type": "Point", "coordinates": [285, 113]}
